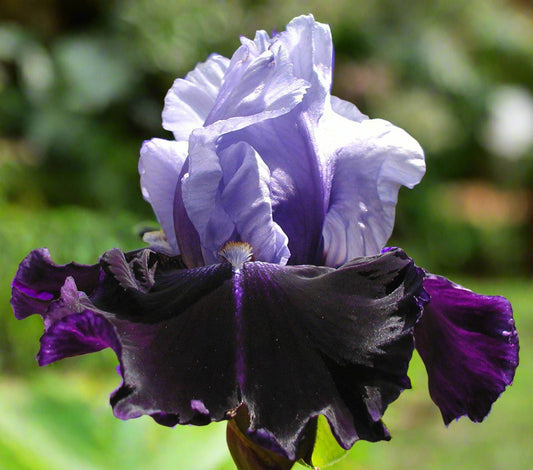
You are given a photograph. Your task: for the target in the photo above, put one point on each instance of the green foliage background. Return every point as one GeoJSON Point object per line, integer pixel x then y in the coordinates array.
{"type": "Point", "coordinates": [82, 85]}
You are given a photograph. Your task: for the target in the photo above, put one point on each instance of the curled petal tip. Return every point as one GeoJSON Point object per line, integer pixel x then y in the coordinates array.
{"type": "Point", "coordinates": [38, 282]}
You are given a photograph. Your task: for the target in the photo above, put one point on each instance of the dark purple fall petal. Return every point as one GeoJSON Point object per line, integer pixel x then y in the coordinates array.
{"type": "Point", "coordinates": [469, 345]}
{"type": "Point", "coordinates": [288, 342]}
{"type": "Point", "coordinates": [76, 334]}
{"type": "Point", "coordinates": [264, 317]}
{"type": "Point", "coordinates": [344, 338]}
{"type": "Point", "coordinates": [178, 347]}
{"type": "Point", "coordinates": [38, 282]}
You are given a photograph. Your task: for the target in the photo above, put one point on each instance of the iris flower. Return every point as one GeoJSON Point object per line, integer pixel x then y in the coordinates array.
{"type": "Point", "coordinates": [268, 296]}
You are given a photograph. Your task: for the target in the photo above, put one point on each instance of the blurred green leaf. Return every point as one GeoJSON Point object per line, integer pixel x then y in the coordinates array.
{"type": "Point", "coordinates": [46, 424]}
{"type": "Point", "coordinates": [327, 451]}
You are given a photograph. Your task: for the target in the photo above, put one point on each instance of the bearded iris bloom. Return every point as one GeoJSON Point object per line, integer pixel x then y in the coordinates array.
{"type": "Point", "coordinates": [269, 293]}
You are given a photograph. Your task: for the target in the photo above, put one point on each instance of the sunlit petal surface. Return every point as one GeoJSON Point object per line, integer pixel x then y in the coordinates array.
{"type": "Point", "coordinates": [160, 166]}
{"type": "Point", "coordinates": [372, 160]}
{"type": "Point", "coordinates": [190, 99]}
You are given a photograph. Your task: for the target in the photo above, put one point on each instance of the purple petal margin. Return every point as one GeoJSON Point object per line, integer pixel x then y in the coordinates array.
{"type": "Point", "coordinates": [77, 334]}
{"type": "Point", "coordinates": [469, 345]}
{"type": "Point", "coordinates": [38, 282]}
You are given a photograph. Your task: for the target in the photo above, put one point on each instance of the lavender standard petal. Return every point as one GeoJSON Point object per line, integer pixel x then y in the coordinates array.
{"type": "Point", "coordinates": [334, 174]}
{"type": "Point", "coordinates": [287, 144]}
{"type": "Point", "coordinates": [469, 345]}
{"type": "Point", "coordinates": [287, 147]}
{"type": "Point", "coordinates": [259, 84]}
{"type": "Point", "coordinates": [190, 100]}
{"type": "Point", "coordinates": [310, 49]}
{"type": "Point", "coordinates": [200, 191]}
{"type": "Point", "coordinates": [227, 197]}
{"type": "Point", "coordinates": [246, 199]}
{"type": "Point", "coordinates": [186, 234]}
{"type": "Point", "coordinates": [160, 167]}
{"type": "Point", "coordinates": [300, 170]}
{"type": "Point", "coordinates": [347, 109]}
{"type": "Point", "coordinates": [373, 159]}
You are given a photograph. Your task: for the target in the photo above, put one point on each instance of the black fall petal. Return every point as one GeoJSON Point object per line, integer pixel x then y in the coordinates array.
{"type": "Point", "coordinates": [289, 343]}
{"type": "Point", "coordinates": [178, 346]}
{"type": "Point", "coordinates": [323, 341]}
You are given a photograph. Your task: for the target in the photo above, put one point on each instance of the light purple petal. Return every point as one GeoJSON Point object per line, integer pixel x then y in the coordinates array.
{"type": "Point", "coordinates": [190, 100]}
{"type": "Point", "coordinates": [227, 198]}
{"type": "Point", "coordinates": [286, 145]}
{"type": "Point", "coordinates": [347, 109]}
{"type": "Point", "coordinates": [160, 167]}
{"type": "Point", "coordinates": [186, 233]}
{"type": "Point", "coordinates": [469, 345]}
{"type": "Point", "coordinates": [310, 49]}
{"type": "Point", "coordinates": [258, 85]}
{"type": "Point", "coordinates": [372, 159]}
{"type": "Point", "coordinates": [246, 200]}
{"type": "Point", "coordinates": [200, 193]}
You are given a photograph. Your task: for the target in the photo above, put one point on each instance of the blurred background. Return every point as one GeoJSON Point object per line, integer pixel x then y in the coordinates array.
{"type": "Point", "coordinates": [82, 85]}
